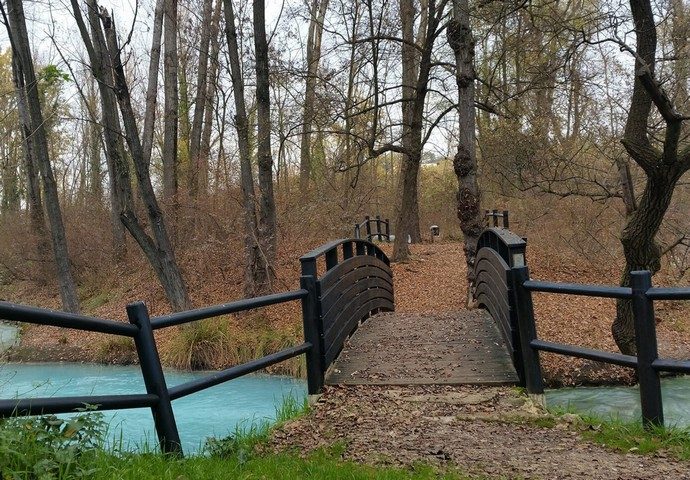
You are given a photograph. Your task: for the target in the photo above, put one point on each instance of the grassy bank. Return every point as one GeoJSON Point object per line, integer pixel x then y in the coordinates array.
{"type": "Point", "coordinates": [51, 448]}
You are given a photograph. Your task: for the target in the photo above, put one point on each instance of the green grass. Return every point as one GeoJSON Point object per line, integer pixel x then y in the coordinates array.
{"type": "Point", "coordinates": [46, 448]}
{"type": "Point", "coordinates": [633, 437]}
{"type": "Point", "coordinates": [630, 436]}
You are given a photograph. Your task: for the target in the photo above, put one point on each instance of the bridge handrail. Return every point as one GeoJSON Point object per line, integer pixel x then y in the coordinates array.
{"type": "Point", "coordinates": [355, 283]}
{"type": "Point", "coordinates": [509, 246]}
{"type": "Point", "coordinates": [350, 247]}
{"type": "Point", "coordinates": [368, 221]}
{"type": "Point", "coordinates": [647, 362]}
{"type": "Point", "coordinates": [360, 253]}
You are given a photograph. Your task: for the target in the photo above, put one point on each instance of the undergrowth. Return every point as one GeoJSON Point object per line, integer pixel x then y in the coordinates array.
{"type": "Point", "coordinates": [219, 343]}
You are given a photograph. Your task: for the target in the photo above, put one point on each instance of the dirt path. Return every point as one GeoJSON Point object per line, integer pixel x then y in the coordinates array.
{"type": "Point", "coordinates": [484, 431]}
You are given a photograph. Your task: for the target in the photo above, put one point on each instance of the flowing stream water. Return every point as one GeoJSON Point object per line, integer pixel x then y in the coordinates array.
{"type": "Point", "coordinates": [624, 402]}
{"type": "Point", "coordinates": [215, 412]}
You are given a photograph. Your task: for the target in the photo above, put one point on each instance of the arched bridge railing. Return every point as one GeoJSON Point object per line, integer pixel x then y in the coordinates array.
{"type": "Point", "coordinates": [499, 250]}
{"type": "Point", "coordinates": [355, 282]}
{"type": "Point", "coordinates": [504, 288]}
{"type": "Point", "coordinates": [351, 280]}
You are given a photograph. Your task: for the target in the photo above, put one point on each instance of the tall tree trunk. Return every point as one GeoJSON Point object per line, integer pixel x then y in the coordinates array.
{"type": "Point", "coordinates": [267, 207]}
{"type": "Point", "coordinates": [211, 82]}
{"type": "Point", "coordinates": [195, 161]}
{"type": "Point", "coordinates": [257, 268]}
{"type": "Point", "coordinates": [171, 107]}
{"type": "Point", "coordinates": [106, 66]}
{"type": "Point", "coordinates": [318, 15]}
{"type": "Point", "coordinates": [20, 45]}
{"type": "Point", "coordinates": [33, 186]}
{"type": "Point", "coordinates": [414, 97]}
{"type": "Point", "coordinates": [662, 168]}
{"type": "Point", "coordinates": [465, 162]}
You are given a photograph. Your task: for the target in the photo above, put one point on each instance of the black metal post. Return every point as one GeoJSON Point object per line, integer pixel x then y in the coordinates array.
{"type": "Point", "coordinates": [313, 333]}
{"type": "Point", "coordinates": [528, 332]}
{"type": "Point", "coordinates": [645, 341]}
{"type": "Point", "coordinates": [367, 222]}
{"type": "Point", "coordinates": [506, 224]}
{"type": "Point", "coordinates": [151, 369]}
{"type": "Point", "coordinates": [378, 227]}
{"type": "Point", "coordinates": [387, 224]}
{"type": "Point", "coordinates": [357, 233]}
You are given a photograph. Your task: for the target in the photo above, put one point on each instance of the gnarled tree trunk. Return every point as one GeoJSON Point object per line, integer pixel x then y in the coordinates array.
{"type": "Point", "coordinates": [465, 161]}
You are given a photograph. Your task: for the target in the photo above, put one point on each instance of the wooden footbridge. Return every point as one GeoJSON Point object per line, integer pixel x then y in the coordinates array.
{"type": "Point", "coordinates": [461, 347]}
{"type": "Point", "coordinates": [352, 334]}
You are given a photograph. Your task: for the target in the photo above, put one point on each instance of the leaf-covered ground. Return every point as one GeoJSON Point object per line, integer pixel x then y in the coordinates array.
{"type": "Point", "coordinates": [485, 432]}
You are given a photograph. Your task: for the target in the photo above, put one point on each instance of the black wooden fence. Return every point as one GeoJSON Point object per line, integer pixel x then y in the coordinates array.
{"type": "Point", "coordinates": [364, 286]}
{"type": "Point", "coordinates": [505, 289]}
{"type": "Point", "coordinates": [383, 229]}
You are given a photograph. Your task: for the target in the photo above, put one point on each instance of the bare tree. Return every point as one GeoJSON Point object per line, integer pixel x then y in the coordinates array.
{"type": "Point", "coordinates": [106, 65]}
{"type": "Point", "coordinates": [172, 105]}
{"type": "Point", "coordinates": [663, 165]}
{"type": "Point", "coordinates": [257, 267]}
{"type": "Point", "coordinates": [317, 13]}
{"type": "Point", "coordinates": [267, 206]}
{"type": "Point", "coordinates": [19, 38]}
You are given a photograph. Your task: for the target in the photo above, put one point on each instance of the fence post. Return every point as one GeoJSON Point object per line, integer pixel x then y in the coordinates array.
{"type": "Point", "coordinates": [645, 341]}
{"type": "Point", "coordinates": [506, 224]}
{"type": "Point", "coordinates": [367, 222]}
{"type": "Point", "coordinates": [527, 330]}
{"type": "Point", "coordinates": [378, 227]}
{"type": "Point", "coordinates": [152, 371]}
{"type": "Point", "coordinates": [313, 328]}
{"type": "Point", "coordinates": [357, 233]}
{"type": "Point", "coordinates": [387, 224]}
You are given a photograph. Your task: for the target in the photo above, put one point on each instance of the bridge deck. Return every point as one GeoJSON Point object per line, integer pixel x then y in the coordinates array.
{"type": "Point", "coordinates": [421, 349]}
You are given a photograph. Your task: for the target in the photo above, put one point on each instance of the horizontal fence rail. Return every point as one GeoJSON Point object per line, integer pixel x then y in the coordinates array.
{"type": "Point", "coordinates": [341, 257]}
{"type": "Point", "coordinates": [647, 363]}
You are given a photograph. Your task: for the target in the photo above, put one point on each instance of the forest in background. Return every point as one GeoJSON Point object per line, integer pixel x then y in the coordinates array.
{"type": "Point", "coordinates": [204, 145]}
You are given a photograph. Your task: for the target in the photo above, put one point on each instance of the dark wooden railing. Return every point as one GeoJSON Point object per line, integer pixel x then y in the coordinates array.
{"type": "Point", "coordinates": [379, 234]}
{"type": "Point", "coordinates": [498, 251]}
{"type": "Point", "coordinates": [355, 282]}
{"type": "Point", "coordinates": [647, 362]}
{"type": "Point", "coordinates": [505, 289]}
{"type": "Point", "coordinates": [492, 216]}
{"type": "Point", "coordinates": [354, 288]}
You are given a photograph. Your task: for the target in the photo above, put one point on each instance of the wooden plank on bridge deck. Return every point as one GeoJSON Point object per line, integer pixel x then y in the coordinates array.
{"type": "Point", "coordinates": [463, 347]}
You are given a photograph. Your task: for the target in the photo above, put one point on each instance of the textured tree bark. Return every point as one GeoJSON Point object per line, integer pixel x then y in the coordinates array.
{"type": "Point", "coordinates": [171, 102]}
{"type": "Point", "coordinates": [663, 169]}
{"type": "Point", "coordinates": [20, 44]}
{"type": "Point", "coordinates": [33, 186]}
{"type": "Point", "coordinates": [205, 145]}
{"type": "Point", "coordinates": [318, 14]}
{"type": "Point", "coordinates": [417, 60]}
{"type": "Point", "coordinates": [267, 207]}
{"type": "Point", "coordinates": [465, 162]}
{"type": "Point", "coordinates": [152, 82]}
{"type": "Point", "coordinates": [195, 162]}
{"type": "Point", "coordinates": [257, 278]}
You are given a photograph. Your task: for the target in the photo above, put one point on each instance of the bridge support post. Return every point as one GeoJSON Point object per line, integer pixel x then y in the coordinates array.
{"type": "Point", "coordinates": [313, 329]}
{"type": "Point", "coordinates": [152, 371]}
{"type": "Point", "coordinates": [647, 353]}
{"type": "Point", "coordinates": [527, 330]}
